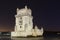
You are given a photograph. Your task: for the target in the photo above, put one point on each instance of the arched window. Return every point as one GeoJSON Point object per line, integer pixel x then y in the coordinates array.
{"type": "Point", "coordinates": [20, 26]}
{"type": "Point", "coordinates": [20, 22]}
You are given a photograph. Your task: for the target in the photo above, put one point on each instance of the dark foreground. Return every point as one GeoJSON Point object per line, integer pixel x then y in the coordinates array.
{"type": "Point", "coordinates": [46, 36]}
{"type": "Point", "coordinates": [36, 38]}
{"type": "Point", "coordinates": [32, 38]}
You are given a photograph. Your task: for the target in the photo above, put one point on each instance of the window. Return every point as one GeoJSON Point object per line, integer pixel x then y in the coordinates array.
{"type": "Point", "coordinates": [20, 26]}
{"type": "Point", "coordinates": [20, 22]}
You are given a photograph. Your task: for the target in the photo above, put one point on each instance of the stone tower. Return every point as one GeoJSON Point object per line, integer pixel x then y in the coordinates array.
{"type": "Point", "coordinates": [23, 19]}
{"type": "Point", "coordinates": [23, 22]}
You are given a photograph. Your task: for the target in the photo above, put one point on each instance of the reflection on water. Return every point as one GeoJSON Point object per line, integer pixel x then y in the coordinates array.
{"type": "Point", "coordinates": [35, 38]}
{"type": "Point", "coordinates": [46, 36]}
{"type": "Point", "coordinates": [38, 38]}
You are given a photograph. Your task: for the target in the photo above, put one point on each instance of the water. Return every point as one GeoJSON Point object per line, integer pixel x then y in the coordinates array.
{"type": "Point", "coordinates": [31, 38]}
{"type": "Point", "coordinates": [47, 36]}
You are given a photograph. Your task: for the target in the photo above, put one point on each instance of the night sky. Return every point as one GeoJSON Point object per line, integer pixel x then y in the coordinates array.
{"type": "Point", "coordinates": [46, 13]}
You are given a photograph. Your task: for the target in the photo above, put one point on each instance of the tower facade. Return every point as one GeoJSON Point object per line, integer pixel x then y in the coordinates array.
{"type": "Point", "coordinates": [24, 24]}
{"type": "Point", "coordinates": [23, 20]}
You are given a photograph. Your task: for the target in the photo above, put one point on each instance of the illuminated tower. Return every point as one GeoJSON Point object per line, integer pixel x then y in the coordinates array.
{"type": "Point", "coordinates": [23, 19]}
{"type": "Point", "coordinates": [23, 22]}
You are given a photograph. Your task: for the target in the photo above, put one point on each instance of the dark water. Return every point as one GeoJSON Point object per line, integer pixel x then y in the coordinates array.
{"type": "Point", "coordinates": [46, 36]}
{"type": "Point", "coordinates": [32, 38]}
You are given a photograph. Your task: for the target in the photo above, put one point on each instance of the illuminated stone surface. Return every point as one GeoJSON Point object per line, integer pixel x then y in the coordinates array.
{"type": "Point", "coordinates": [24, 24]}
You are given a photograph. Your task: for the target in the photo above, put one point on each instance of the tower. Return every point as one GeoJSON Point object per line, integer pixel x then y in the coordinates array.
{"type": "Point", "coordinates": [24, 24]}
{"type": "Point", "coordinates": [23, 19]}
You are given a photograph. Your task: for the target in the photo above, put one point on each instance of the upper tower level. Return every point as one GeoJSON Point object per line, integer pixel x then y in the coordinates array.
{"type": "Point", "coordinates": [24, 11]}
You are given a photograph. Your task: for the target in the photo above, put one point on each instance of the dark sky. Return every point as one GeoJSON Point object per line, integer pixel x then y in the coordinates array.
{"type": "Point", "coordinates": [46, 13]}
